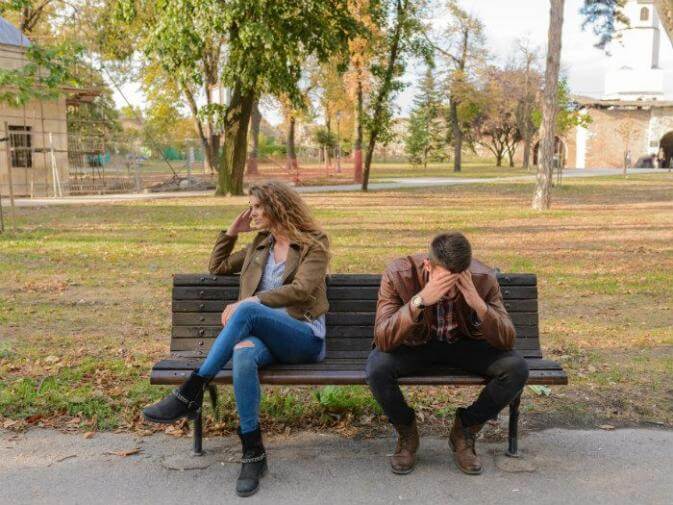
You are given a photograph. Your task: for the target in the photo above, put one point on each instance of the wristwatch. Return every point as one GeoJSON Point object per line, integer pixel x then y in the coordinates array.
{"type": "Point", "coordinates": [417, 302]}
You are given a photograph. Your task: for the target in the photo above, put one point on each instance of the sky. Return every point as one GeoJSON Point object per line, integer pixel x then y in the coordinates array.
{"type": "Point", "coordinates": [504, 23]}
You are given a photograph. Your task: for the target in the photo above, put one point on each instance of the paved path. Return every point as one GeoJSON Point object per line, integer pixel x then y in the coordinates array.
{"type": "Point", "coordinates": [419, 182]}
{"type": "Point", "coordinates": [630, 466]}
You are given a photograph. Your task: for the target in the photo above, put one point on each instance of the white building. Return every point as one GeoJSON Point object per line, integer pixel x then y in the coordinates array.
{"type": "Point", "coordinates": [633, 120]}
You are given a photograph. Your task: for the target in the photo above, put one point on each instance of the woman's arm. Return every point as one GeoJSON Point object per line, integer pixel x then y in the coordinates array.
{"type": "Point", "coordinates": [222, 261]}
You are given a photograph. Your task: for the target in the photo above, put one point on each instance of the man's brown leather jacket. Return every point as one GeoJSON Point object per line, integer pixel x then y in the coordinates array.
{"type": "Point", "coordinates": [405, 277]}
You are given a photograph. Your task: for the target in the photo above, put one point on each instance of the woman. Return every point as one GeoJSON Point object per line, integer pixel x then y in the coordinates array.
{"type": "Point", "coordinates": [279, 316]}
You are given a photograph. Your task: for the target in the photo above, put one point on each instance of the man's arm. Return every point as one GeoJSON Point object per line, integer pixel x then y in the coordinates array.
{"type": "Point", "coordinates": [496, 325]}
{"type": "Point", "coordinates": [395, 320]}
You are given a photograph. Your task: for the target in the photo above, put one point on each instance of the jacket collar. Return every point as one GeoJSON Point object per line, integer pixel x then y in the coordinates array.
{"type": "Point", "coordinates": [293, 253]}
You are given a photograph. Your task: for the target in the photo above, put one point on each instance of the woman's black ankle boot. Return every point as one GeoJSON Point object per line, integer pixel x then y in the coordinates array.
{"type": "Point", "coordinates": [254, 463]}
{"type": "Point", "coordinates": [184, 401]}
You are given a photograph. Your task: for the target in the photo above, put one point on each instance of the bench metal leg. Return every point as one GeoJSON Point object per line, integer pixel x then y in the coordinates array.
{"type": "Point", "coordinates": [212, 392]}
{"type": "Point", "coordinates": [198, 435]}
{"type": "Point", "coordinates": [513, 446]}
{"type": "Point", "coordinates": [198, 422]}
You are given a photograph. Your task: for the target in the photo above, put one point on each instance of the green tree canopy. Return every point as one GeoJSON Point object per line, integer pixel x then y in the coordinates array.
{"type": "Point", "coordinates": [262, 44]}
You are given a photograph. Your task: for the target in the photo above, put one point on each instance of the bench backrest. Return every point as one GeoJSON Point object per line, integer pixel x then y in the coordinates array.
{"type": "Point", "coordinates": [198, 301]}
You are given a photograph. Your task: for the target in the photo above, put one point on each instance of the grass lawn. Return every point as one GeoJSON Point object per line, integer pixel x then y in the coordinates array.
{"type": "Point", "coordinates": [471, 168]}
{"type": "Point", "coordinates": [85, 298]}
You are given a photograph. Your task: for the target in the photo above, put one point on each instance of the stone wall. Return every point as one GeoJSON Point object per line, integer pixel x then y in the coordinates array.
{"type": "Point", "coordinates": [606, 145]}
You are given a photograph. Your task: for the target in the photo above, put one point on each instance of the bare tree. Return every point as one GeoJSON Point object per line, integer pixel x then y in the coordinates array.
{"type": "Point", "coordinates": [627, 129]}
{"type": "Point", "coordinates": [463, 50]}
{"type": "Point", "coordinates": [528, 97]}
{"type": "Point", "coordinates": [497, 126]}
{"type": "Point", "coordinates": [542, 196]}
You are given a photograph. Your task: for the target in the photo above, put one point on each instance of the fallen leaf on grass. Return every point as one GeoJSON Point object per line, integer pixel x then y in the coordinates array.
{"type": "Point", "coordinates": [123, 454]}
{"type": "Point", "coordinates": [175, 431]}
{"type": "Point", "coordinates": [34, 418]}
{"type": "Point", "coordinates": [540, 390]}
{"type": "Point", "coordinates": [607, 427]}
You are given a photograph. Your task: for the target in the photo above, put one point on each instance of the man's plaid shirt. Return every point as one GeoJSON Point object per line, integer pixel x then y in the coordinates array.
{"type": "Point", "coordinates": [444, 324]}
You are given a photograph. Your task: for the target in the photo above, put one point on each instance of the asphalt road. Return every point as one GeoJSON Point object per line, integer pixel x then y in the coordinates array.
{"type": "Point", "coordinates": [626, 466]}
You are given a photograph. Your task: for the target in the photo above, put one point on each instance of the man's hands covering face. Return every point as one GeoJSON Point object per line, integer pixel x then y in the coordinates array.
{"type": "Point", "coordinates": [466, 286]}
{"type": "Point", "coordinates": [440, 283]}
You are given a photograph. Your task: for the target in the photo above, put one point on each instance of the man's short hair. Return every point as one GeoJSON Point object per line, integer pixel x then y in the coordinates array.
{"type": "Point", "coordinates": [452, 251]}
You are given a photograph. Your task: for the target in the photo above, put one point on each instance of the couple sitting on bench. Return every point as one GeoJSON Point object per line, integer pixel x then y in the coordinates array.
{"type": "Point", "coordinates": [438, 307]}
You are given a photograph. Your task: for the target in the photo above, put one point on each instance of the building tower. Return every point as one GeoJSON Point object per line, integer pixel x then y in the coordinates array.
{"type": "Point", "coordinates": [634, 72]}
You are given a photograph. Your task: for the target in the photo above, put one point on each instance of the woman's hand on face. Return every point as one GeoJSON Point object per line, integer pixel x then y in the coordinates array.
{"type": "Point", "coordinates": [241, 224]}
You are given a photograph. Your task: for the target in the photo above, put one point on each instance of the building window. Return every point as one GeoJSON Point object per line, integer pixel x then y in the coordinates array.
{"type": "Point", "coordinates": [21, 142]}
{"type": "Point", "coordinates": [644, 14]}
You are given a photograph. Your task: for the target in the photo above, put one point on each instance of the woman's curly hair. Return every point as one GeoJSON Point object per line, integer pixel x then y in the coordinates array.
{"type": "Point", "coordinates": [288, 212]}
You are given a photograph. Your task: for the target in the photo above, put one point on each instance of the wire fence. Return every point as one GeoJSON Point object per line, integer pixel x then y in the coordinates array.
{"type": "Point", "coordinates": [43, 163]}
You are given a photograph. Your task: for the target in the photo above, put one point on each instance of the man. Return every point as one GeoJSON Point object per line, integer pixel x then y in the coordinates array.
{"type": "Point", "coordinates": [443, 308]}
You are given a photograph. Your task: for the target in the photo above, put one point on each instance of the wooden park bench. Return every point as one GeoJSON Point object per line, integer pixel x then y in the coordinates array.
{"type": "Point", "coordinates": [198, 301]}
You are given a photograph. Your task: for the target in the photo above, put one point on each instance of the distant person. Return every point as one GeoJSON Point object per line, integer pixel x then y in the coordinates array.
{"type": "Point", "coordinates": [661, 158]}
{"type": "Point", "coordinates": [443, 307]}
{"type": "Point", "coordinates": [279, 316]}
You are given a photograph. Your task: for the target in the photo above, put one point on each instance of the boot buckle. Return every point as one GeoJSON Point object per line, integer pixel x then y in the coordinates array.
{"type": "Point", "coordinates": [255, 459]}
{"type": "Point", "coordinates": [190, 403]}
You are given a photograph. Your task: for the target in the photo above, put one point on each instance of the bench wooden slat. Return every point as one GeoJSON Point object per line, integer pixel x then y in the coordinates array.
{"type": "Point", "coordinates": [333, 344]}
{"type": "Point", "coordinates": [507, 279]}
{"type": "Point", "coordinates": [333, 293]}
{"type": "Point", "coordinates": [193, 363]}
{"type": "Point", "coordinates": [332, 318]}
{"type": "Point", "coordinates": [535, 353]}
{"type": "Point", "coordinates": [335, 306]}
{"type": "Point", "coordinates": [360, 351]}
{"type": "Point", "coordinates": [335, 377]}
{"type": "Point", "coordinates": [210, 332]}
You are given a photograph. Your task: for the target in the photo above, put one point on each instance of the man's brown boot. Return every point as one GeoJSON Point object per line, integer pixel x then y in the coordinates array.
{"type": "Point", "coordinates": [462, 441]}
{"type": "Point", "coordinates": [404, 459]}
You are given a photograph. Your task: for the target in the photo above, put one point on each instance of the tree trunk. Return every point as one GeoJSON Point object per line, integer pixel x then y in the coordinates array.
{"type": "Point", "coordinates": [527, 144]}
{"type": "Point", "coordinates": [328, 149]}
{"type": "Point", "coordinates": [382, 97]}
{"type": "Point", "coordinates": [210, 154]}
{"type": "Point", "coordinates": [457, 136]}
{"type": "Point", "coordinates": [357, 148]}
{"type": "Point", "coordinates": [232, 162]}
{"type": "Point", "coordinates": [542, 196]}
{"type": "Point", "coordinates": [255, 121]}
{"type": "Point", "coordinates": [292, 165]}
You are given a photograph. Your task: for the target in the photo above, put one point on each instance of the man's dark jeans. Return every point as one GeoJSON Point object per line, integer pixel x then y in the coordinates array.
{"type": "Point", "coordinates": [507, 370]}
